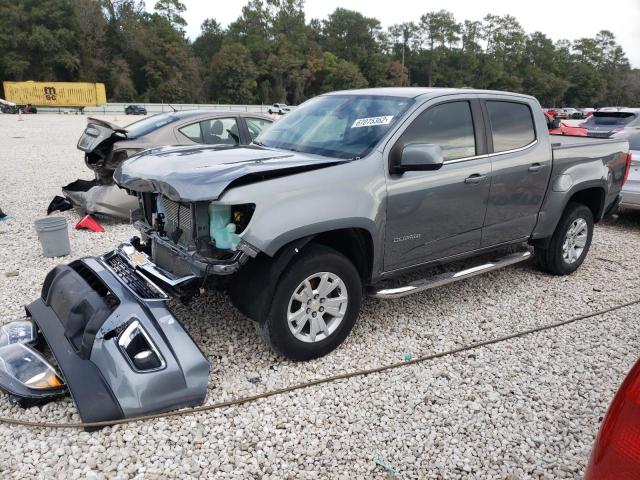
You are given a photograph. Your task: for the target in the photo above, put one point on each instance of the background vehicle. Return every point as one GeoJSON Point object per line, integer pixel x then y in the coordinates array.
{"type": "Point", "coordinates": [135, 110]}
{"type": "Point", "coordinates": [348, 190]}
{"type": "Point", "coordinates": [55, 94]}
{"type": "Point", "coordinates": [631, 189]}
{"type": "Point", "coordinates": [616, 451]}
{"type": "Point", "coordinates": [609, 109]}
{"type": "Point", "coordinates": [8, 107]}
{"type": "Point", "coordinates": [571, 113]}
{"type": "Point", "coordinates": [553, 112]}
{"type": "Point", "coordinates": [586, 112]}
{"type": "Point", "coordinates": [559, 113]}
{"type": "Point", "coordinates": [107, 145]}
{"type": "Point", "coordinates": [279, 108]}
{"type": "Point", "coordinates": [557, 127]}
{"type": "Point", "coordinates": [604, 123]}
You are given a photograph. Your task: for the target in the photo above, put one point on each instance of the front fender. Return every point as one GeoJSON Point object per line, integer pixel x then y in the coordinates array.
{"type": "Point", "coordinates": [309, 230]}
{"type": "Point", "coordinates": [349, 195]}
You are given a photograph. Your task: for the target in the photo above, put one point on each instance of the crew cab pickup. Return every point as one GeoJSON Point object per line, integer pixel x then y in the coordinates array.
{"type": "Point", "coordinates": [348, 190]}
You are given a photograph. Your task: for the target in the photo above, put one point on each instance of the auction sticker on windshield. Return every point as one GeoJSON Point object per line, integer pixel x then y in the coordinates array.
{"type": "Point", "coordinates": [372, 121]}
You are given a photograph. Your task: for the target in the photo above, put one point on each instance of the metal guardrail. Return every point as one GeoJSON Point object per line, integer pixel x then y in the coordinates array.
{"type": "Point", "coordinates": [118, 108]}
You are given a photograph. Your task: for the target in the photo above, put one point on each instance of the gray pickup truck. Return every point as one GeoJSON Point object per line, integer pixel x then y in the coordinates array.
{"type": "Point", "coordinates": [350, 189]}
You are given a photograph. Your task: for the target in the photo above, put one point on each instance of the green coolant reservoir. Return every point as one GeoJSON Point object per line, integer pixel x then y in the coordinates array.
{"type": "Point", "coordinates": [221, 229]}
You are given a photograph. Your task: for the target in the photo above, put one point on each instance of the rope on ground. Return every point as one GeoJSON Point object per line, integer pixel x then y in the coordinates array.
{"type": "Point", "coordinates": [312, 383]}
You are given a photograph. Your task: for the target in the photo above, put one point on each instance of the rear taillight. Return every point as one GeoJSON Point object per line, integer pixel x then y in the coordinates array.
{"type": "Point", "coordinates": [616, 453]}
{"type": "Point", "coordinates": [627, 167]}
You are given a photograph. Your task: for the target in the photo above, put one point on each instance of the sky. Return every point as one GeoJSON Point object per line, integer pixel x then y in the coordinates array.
{"type": "Point", "coordinates": [558, 19]}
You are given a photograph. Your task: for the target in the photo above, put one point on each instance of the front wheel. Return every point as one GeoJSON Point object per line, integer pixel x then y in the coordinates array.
{"type": "Point", "coordinates": [570, 242]}
{"type": "Point", "coordinates": [315, 305]}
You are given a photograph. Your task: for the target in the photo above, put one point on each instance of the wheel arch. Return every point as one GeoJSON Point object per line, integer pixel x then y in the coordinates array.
{"type": "Point", "coordinates": [592, 197]}
{"type": "Point", "coordinates": [590, 193]}
{"type": "Point", "coordinates": [252, 288]}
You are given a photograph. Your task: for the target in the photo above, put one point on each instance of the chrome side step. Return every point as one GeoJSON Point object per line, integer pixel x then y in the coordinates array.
{"type": "Point", "coordinates": [449, 277]}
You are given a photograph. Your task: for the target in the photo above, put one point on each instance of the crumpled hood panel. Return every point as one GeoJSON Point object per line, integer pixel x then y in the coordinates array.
{"type": "Point", "coordinates": [199, 173]}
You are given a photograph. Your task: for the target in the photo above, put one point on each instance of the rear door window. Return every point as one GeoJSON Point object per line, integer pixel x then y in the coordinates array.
{"type": "Point", "coordinates": [149, 124]}
{"type": "Point", "coordinates": [256, 126]}
{"type": "Point", "coordinates": [511, 125]}
{"type": "Point", "coordinates": [220, 131]}
{"type": "Point", "coordinates": [192, 132]}
{"type": "Point", "coordinates": [449, 125]}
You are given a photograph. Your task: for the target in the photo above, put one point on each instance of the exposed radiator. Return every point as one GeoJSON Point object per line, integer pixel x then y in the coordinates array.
{"type": "Point", "coordinates": [176, 216]}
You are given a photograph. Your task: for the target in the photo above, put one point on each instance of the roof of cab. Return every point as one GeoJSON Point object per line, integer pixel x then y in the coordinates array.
{"type": "Point", "coordinates": [414, 92]}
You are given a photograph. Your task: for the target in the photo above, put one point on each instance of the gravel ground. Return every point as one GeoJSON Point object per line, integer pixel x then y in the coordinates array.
{"type": "Point", "coordinates": [526, 408]}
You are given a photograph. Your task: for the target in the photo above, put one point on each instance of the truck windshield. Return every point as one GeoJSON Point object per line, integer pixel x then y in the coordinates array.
{"type": "Point", "coordinates": [148, 125]}
{"type": "Point", "coordinates": [342, 126]}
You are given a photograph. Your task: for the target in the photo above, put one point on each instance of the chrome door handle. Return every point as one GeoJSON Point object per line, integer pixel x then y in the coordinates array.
{"type": "Point", "coordinates": [475, 178]}
{"type": "Point", "coordinates": [535, 167]}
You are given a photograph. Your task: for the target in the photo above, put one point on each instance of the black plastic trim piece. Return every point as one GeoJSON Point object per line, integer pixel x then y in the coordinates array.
{"type": "Point", "coordinates": [92, 395]}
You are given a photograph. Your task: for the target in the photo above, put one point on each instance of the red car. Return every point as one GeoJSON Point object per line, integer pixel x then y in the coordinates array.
{"type": "Point", "coordinates": [557, 113]}
{"type": "Point", "coordinates": [556, 127]}
{"type": "Point", "coordinates": [616, 453]}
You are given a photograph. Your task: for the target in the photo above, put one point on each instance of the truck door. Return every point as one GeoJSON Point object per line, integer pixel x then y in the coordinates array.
{"type": "Point", "coordinates": [520, 170]}
{"type": "Point", "coordinates": [437, 214]}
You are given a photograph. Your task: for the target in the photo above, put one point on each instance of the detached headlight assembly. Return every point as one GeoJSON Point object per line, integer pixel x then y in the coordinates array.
{"type": "Point", "coordinates": [25, 374]}
{"type": "Point", "coordinates": [23, 331]}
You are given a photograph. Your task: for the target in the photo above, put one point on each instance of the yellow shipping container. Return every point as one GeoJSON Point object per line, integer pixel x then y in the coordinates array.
{"type": "Point", "coordinates": [55, 94]}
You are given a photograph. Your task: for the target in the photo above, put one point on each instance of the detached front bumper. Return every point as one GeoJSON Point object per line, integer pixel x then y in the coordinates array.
{"type": "Point", "coordinates": [119, 348]}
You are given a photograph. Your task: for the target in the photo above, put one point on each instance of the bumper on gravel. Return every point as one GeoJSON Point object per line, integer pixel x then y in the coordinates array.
{"type": "Point", "coordinates": [119, 348]}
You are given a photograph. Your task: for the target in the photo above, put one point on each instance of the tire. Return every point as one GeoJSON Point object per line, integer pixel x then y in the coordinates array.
{"type": "Point", "coordinates": [270, 112]}
{"type": "Point", "coordinates": [316, 265]}
{"type": "Point", "coordinates": [576, 228]}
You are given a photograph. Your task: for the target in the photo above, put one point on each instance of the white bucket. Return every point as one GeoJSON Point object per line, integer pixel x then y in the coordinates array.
{"type": "Point", "coordinates": [54, 236]}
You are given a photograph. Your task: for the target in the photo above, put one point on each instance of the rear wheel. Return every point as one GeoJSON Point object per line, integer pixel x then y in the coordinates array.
{"type": "Point", "coordinates": [315, 304]}
{"type": "Point", "coordinates": [570, 242]}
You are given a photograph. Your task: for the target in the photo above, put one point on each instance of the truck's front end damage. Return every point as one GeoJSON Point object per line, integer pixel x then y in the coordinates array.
{"type": "Point", "coordinates": [198, 240]}
{"type": "Point", "coordinates": [110, 339]}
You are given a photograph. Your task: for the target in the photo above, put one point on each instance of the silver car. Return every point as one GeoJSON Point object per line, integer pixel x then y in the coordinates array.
{"type": "Point", "coordinates": [606, 122]}
{"type": "Point", "coordinates": [107, 145]}
{"type": "Point", "coordinates": [631, 189]}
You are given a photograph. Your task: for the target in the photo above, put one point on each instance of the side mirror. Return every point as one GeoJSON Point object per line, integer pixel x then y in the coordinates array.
{"type": "Point", "coordinates": [421, 157]}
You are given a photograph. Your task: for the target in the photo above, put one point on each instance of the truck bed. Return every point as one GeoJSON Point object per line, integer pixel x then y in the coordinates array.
{"type": "Point", "coordinates": [569, 141]}
{"type": "Point", "coordinates": [578, 162]}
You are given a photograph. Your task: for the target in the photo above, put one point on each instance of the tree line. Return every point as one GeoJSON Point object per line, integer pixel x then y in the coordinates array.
{"type": "Point", "coordinates": [271, 53]}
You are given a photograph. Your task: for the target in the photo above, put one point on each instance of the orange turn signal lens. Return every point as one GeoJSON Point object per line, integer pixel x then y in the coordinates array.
{"type": "Point", "coordinates": [52, 381]}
